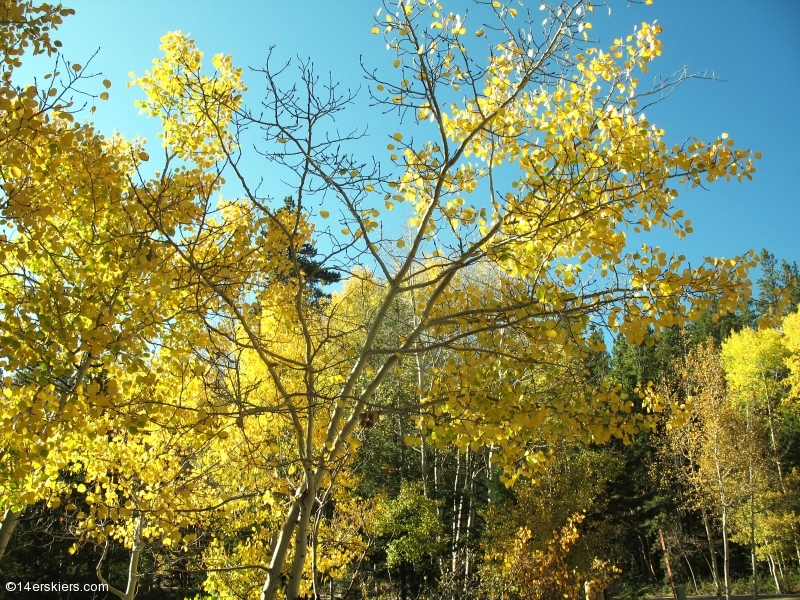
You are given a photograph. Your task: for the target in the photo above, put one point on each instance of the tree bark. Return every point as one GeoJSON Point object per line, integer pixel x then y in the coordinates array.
{"type": "Point", "coordinates": [691, 572]}
{"type": "Point", "coordinates": [777, 459]}
{"type": "Point", "coordinates": [666, 562]}
{"type": "Point", "coordinates": [133, 566]}
{"type": "Point", "coordinates": [470, 525]}
{"type": "Point", "coordinates": [774, 571]}
{"type": "Point", "coordinates": [646, 558]}
{"type": "Point", "coordinates": [779, 562]}
{"type": "Point", "coordinates": [713, 553]}
{"type": "Point", "coordinates": [723, 502]}
{"type": "Point", "coordinates": [275, 574]}
{"type": "Point", "coordinates": [753, 561]}
{"type": "Point", "coordinates": [751, 481]}
{"type": "Point", "coordinates": [456, 523]}
{"type": "Point", "coordinates": [726, 560]}
{"type": "Point", "coordinates": [423, 445]}
{"type": "Point", "coordinates": [301, 546]}
{"type": "Point", "coordinates": [10, 522]}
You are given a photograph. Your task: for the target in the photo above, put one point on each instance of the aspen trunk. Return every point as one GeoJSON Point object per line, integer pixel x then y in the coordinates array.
{"type": "Point", "coordinates": [713, 553]}
{"type": "Point", "coordinates": [778, 464]}
{"type": "Point", "coordinates": [435, 472]}
{"type": "Point", "coordinates": [691, 572]}
{"type": "Point", "coordinates": [456, 525]}
{"type": "Point", "coordinates": [753, 562]}
{"type": "Point", "coordinates": [774, 570]}
{"type": "Point", "coordinates": [723, 502]}
{"type": "Point", "coordinates": [470, 524]}
{"type": "Point", "coordinates": [133, 566]}
{"type": "Point", "coordinates": [423, 444]}
{"type": "Point", "coordinates": [10, 522]}
{"type": "Point", "coordinates": [780, 560]}
{"type": "Point", "coordinates": [275, 573]}
{"type": "Point", "coordinates": [300, 546]}
{"type": "Point", "coordinates": [751, 481]}
{"type": "Point", "coordinates": [315, 547]}
{"type": "Point", "coordinates": [726, 558]}
{"type": "Point", "coordinates": [646, 558]}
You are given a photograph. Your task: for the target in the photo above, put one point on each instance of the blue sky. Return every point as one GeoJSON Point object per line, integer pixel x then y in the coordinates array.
{"type": "Point", "coordinates": [753, 45]}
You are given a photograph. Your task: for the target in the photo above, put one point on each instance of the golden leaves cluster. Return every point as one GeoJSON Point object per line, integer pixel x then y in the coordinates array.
{"type": "Point", "coordinates": [195, 108]}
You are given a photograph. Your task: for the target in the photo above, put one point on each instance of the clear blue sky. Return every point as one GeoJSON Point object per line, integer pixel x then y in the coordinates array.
{"type": "Point", "coordinates": [755, 46]}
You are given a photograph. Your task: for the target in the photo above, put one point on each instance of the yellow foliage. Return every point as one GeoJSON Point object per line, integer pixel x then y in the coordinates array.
{"type": "Point", "coordinates": [165, 342]}
{"type": "Point", "coordinates": [195, 109]}
{"type": "Point", "coordinates": [791, 332]}
{"type": "Point", "coordinates": [545, 574]}
{"type": "Point", "coordinates": [753, 361]}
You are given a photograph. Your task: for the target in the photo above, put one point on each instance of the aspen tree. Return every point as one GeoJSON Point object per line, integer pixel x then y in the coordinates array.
{"type": "Point", "coordinates": [523, 166]}
{"type": "Point", "coordinates": [562, 120]}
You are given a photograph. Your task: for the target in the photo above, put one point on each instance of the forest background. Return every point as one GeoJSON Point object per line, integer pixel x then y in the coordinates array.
{"type": "Point", "coordinates": [209, 389]}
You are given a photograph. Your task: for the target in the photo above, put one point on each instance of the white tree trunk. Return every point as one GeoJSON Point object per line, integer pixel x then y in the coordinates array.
{"type": "Point", "coordinates": [713, 553]}
{"type": "Point", "coordinates": [10, 522]}
{"type": "Point", "coordinates": [275, 574]}
{"type": "Point", "coordinates": [300, 546]}
{"type": "Point", "coordinates": [133, 566]}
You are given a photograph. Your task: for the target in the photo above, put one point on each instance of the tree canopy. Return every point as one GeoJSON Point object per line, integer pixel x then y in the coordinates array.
{"type": "Point", "coordinates": [178, 381]}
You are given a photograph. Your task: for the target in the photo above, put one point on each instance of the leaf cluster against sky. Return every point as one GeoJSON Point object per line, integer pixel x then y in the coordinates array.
{"type": "Point", "coordinates": [753, 45]}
